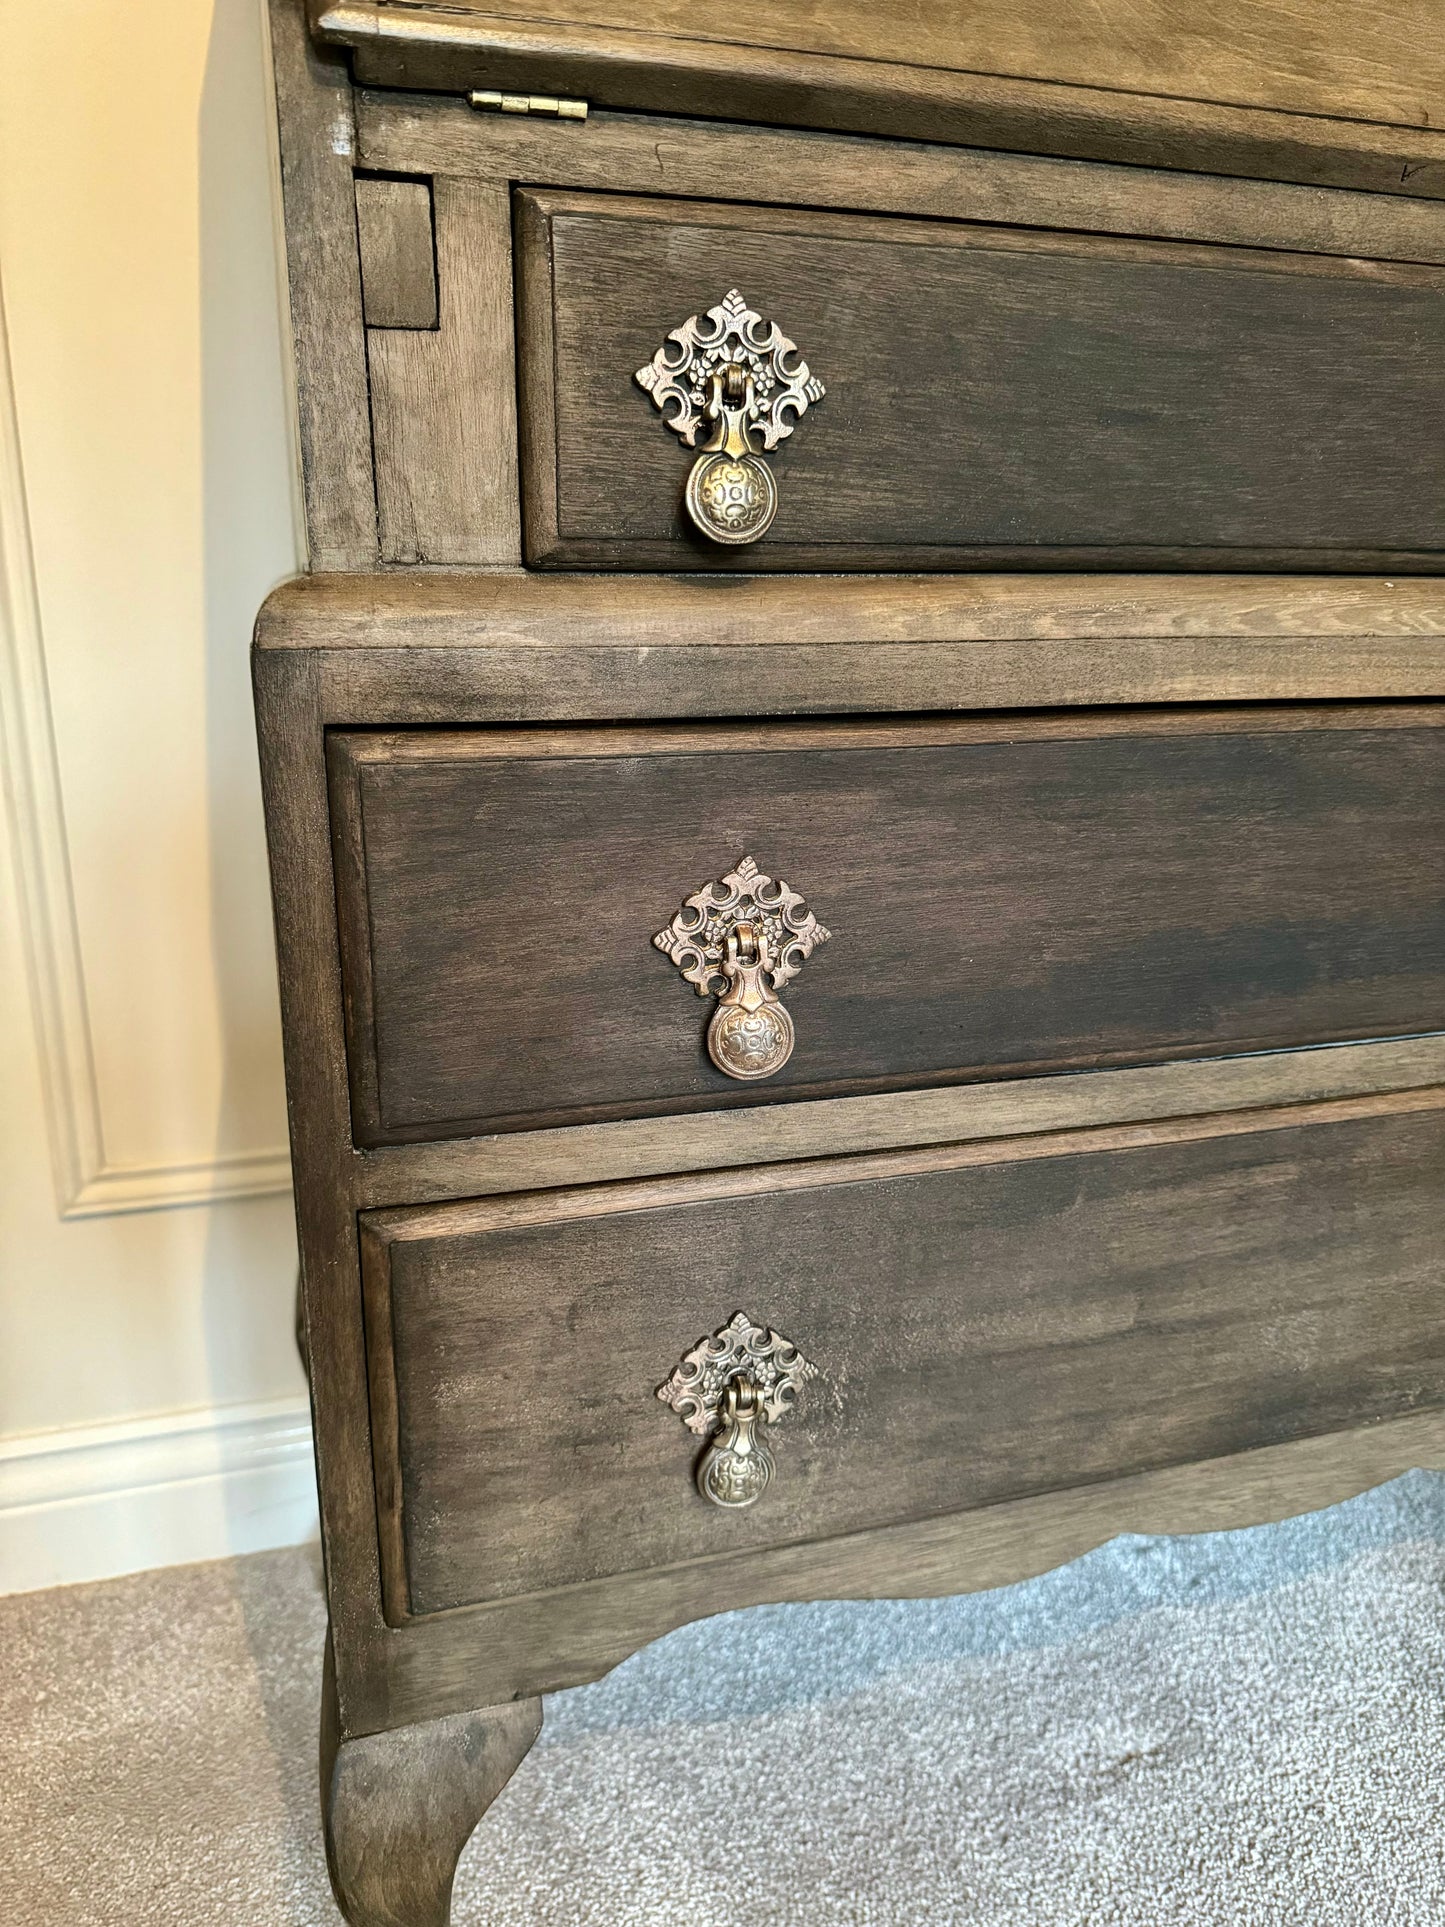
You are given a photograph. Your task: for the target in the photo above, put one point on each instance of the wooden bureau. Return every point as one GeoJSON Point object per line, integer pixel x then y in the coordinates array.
{"type": "Point", "coordinates": [860, 923]}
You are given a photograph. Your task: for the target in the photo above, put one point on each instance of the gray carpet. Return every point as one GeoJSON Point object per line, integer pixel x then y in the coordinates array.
{"type": "Point", "coordinates": [1247, 1727]}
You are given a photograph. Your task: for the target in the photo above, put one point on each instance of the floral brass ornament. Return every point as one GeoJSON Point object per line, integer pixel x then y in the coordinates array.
{"type": "Point", "coordinates": [739, 377]}
{"type": "Point", "coordinates": [727, 1388]}
{"type": "Point", "coordinates": [744, 937]}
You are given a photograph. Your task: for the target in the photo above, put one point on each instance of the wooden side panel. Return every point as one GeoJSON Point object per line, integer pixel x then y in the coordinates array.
{"type": "Point", "coordinates": [443, 400]}
{"type": "Point", "coordinates": [1002, 896]}
{"type": "Point", "coordinates": [982, 1330]}
{"type": "Point", "coordinates": [317, 134]}
{"type": "Point", "coordinates": [303, 895]}
{"type": "Point", "coordinates": [1044, 400]}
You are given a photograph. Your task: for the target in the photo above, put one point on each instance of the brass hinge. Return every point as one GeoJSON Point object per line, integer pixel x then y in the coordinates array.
{"type": "Point", "coordinates": [490, 102]}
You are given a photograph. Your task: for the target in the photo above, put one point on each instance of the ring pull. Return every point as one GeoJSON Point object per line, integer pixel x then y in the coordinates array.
{"type": "Point", "coordinates": [742, 1379]}
{"type": "Point", "coordinates": [753, 935]}
{"type": "Point", "coordinates": [743, 379]}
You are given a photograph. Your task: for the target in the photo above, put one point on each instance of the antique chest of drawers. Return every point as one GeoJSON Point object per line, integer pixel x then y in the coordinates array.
{"type": "Point", "coordinates": [854, 799]}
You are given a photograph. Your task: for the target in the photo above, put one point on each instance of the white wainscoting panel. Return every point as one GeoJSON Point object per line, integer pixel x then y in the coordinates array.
{"type": "Point", "coordinates": [151, 1407]}
{"type": "Point", "coordinates": [96, 1502]}
{"type": "Point", "coordinates": [146, 505]}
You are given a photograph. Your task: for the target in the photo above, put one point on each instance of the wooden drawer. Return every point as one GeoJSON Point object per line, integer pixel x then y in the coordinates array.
{"type": "Point", "coordinates": [1022, 894]}
{"type": "Point", "coordinates": [995, 395]}
{"type": "Point", "coordinates": [987, 1321]}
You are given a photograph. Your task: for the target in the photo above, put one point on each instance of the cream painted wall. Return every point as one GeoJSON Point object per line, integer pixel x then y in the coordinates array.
{"type": "Point", "coordinates": [146, 506]}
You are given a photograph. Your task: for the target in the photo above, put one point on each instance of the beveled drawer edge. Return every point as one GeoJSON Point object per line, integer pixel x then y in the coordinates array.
{"type": "Point", "coordinates": [421, 1174]}
{"type": "Point", "coordinates": [656, 207]}
{"type": "Point", "coordinates": [456, 612]}
{"type": "Point", "coordinates": [475, 1654]}
{"type": "Point", "coordinates": [351, 751]}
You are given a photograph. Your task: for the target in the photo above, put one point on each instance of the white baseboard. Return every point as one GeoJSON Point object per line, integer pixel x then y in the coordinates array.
{"type": "Point", "coordinates": [99, 1501]}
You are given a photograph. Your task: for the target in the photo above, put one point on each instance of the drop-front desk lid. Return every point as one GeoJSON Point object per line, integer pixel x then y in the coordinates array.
{"type": "Point", "coordinates": [1333, 92]}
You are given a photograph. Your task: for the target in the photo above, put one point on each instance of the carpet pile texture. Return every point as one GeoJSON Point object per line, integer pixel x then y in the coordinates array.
{"type": "Point", "coordinates": [1245, 1727]}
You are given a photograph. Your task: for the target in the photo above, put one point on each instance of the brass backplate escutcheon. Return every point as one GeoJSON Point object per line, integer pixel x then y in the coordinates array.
{"type": "Point", "coordinates": [728, 1389]}
{"type": "Point", "coordinates": [740, 380]}
{"type": "Point", "coordinates": [744, 937]}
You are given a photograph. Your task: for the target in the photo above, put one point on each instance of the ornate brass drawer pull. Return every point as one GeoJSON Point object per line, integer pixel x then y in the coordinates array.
{"type": "Point", "coordinates": [743, 378]}
{"type": "Point", "coordinates": [752, 935]}
{"type": "Point", "coordinates": [727, 1389]}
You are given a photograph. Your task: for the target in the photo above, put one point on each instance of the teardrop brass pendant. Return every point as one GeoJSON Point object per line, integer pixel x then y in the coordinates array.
{"type": "Point", "coordinates": [751, 1033]}
{"type": "Point", "coordinates": [731, 494]}
{"type": "Point", "coordinates": [737, 1468]}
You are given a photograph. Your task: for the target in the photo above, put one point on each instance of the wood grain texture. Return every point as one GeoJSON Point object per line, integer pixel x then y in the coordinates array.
{"type": "Point", "coordinates": [379, 649]}
{"type": "Point", "coordinates": [462, 1216]}
{"type": "Point", "coordinates": [707, 160]}
{"type": "Point", "coordinates": [949, 1114]}
{"type": "Point", "coordinates": [1004, 897]}
{"type": "Point", "coordinates": [398, 253]}
{"type": "Point", "coordinates": [1339, 619]}
{"type": "Point", "coordinates": [1268, 1173]}
{"type": "Point", "coordinates": [317, 138]}
{"type": "Point", "coordinates": [1040, 400]}
{"type": "Point", "coordinates": [567, 1637]}
{"type": "Point", "coordinates": [453, 1662]}
{"type": "Point", "coordinates": [519, 647]}
{"type": "Point", "coordinates": [1303, 56]}
{"type": "Point", "coordinates": [790, 67]}
{"type": "Point", "coordinates": [443, 402]}
{"type": "Point", "coordinates": [303, 895]}
{"type": "Point", "coordinates": [982, 1331]}
{"type": "Point", "coordinates": [507, 680]}
{"type": "Point", "coordinates": [399, 1807]}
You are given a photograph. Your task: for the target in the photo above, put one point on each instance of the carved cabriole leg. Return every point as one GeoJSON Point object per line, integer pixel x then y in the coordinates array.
{"type": "Point", "coordinates": [399, 1807]}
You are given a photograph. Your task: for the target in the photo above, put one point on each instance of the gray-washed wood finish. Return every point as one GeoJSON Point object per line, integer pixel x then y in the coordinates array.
{"type": "Point", "coordinates": [1009, 896]}
{"type": "Point", "coordinates": [1301, 90]}
{"type": "Point", "coordinates": [1189, 1288]}
{"type": "Point", "coordinates": [456, 650]}
{"type": "Point", "coordinates": [981, 1331]}
{"type": "Point", "coordinates": [1037, 399]}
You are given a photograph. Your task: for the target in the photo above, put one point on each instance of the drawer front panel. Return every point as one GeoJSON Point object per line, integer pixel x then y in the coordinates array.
{"type": "Point", "coordinates": [1005, 896]}
{"type": "Point", "coordinates": [1091, 1307]}
{"type": "Point", "coordinates": [994, 395]}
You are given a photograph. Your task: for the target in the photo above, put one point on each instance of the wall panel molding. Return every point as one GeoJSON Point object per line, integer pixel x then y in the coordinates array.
{"type": "Point", "coordinates": [94, 1502]}
{"type": "Point", "coordinates": [88, 1184]}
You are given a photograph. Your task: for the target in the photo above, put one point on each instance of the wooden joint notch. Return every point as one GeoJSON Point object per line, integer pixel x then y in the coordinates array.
{"type": "Point", "coordinates": [396, 232]}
